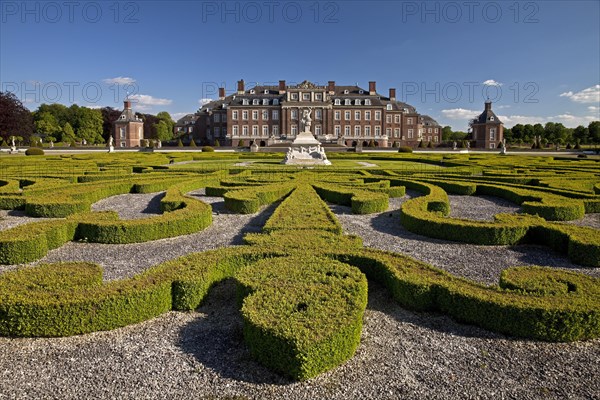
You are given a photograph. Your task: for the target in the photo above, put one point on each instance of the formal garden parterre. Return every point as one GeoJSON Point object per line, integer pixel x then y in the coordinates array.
{"type": "Point", "coordinates": [302, 283]}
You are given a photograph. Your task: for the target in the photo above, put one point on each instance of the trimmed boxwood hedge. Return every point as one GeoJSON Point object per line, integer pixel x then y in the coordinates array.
{"type": "Point", "coordinates": [361, 201]}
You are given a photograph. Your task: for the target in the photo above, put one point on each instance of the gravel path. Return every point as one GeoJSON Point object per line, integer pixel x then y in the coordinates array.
{"type": "Point", "coordinates": [403, 354]}
{"type": "Point", "coordinates": [12, 218]}
{"type": "Point", "coordinates": [481, 208]}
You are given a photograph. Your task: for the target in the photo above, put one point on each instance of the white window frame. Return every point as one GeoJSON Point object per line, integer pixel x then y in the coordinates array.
{"type": "Point", "coordinates": [318, 130]}
{"type": "Point", "coordinates": [275, 115]}
{"type": "Point", "coordinates": [318, 113]}
{"type": "Point", "coordinates": [245, 115]}
{"type": "Point", "coordinates": [234, 115]}
{"type": "Point", "coordinates": [377, 130]}
{"type": "Point", "coordinates": [254, 115]}
{"type": "Point", "coordinates": [265, 130]}
{"type": "Point", "coordinates": [338, 102]}
{"type": "Point", "coordinates": [337, 115]}
{"type": "Point", "coordinates": [347, 115]}
{"type": "Point", "coordinates": [265, 115]}
{"type": "Point", "coordinates": [347, 130]}
{"type": "Point", "coordinates": [275, 130]}
{"type": "Point", "coordinates": [356, 130]}
{"type": "Point", "coordinates": [294, 130]}
{"type": "Point", "coordinates": [236, 130]}
{"type": "Point", "coordinates": [357, 115]}
{"type": "Point", "coordinates": [294, 114]}
{"type": "Point", "coordinates": [245, 130]}
{"type": "Point", "coordinates": [367, 130]}
{"type": "Point", "coordinates": [367, 115]}
{"type": "Point", "coordinates": [377, 115]}
{"type": "Point", "coordinates": [254, 130]}
{"type": "Point", "coordinates": [338, 130]}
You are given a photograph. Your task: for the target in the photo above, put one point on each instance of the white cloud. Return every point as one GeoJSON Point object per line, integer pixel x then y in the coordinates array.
{"type": "Point", "coordinates": [460, 113]}
{"type": "Point", "coordinates": [179, 115]}
{"type": "Point", "coordinates": [589, 95]}
{"type": "Point", "coordinates": [146, 101]}
{"type": "Point", "coordinates": [204, 101]}
{"type": "Point", "coordinates": [119, 80]}
{"type": "Point", "coordinates": [511, 120]}
{"type": "Point", "coordinates": [491, 82]}
{"type": "Point", "coordinates": [593, 109]}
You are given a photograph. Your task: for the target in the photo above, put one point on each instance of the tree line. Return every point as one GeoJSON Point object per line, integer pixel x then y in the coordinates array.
{"type": "Point", "coordinates": [59, 123]}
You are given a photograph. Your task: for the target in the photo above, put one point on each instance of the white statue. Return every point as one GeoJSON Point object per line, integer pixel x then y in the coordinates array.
{"type": "Point", "coordinates": [12, 141]}
{"type": "Point", "coordinates": [51, 144]}
{"type": "Point", "coordinates": [306, 119]}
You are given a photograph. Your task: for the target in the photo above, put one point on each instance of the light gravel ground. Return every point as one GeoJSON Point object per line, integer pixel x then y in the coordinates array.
{"type": "Point", "coordinates": [402, 354]}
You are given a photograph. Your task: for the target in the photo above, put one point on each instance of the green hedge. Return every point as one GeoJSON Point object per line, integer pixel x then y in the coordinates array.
{"type": "Point", "coordinates": [302, 315]}
{"type": "Point", "coordinates": [361, 201]}
{"type": "Point", "coordinates": [517, 307]}
{"type": "Point", "coordinates": [249, 200]}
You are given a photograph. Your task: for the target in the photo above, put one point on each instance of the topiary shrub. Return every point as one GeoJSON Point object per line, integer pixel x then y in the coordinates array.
{"type": "Point", "coordinates": [207, 149]}
{"type": "Point", "coordinates": [421, 145]}
{"type": "Point", "coordinates": [405, 149]}
{"type": "Point", "coordinates": [193, 143]}
{"type": "Point", "coordinates": [241, 143]}
{"type": "Point", "coordinates": [34, 151]}
{"type": "Point", "coordinates": [217, 143]}
{"type": "Point", "coordinates": [430, 145]}
{"type": "Point", "coordinates": [179, 143]}
{"type": "Point", "coordinates": [569, 147]}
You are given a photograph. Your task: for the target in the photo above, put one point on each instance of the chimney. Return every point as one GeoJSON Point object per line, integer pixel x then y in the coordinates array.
{"type": "Point", "coordinates": [127, 105]}
{"type": "Point", "coordinates": [372, 88]}
{"type": "Point", "coordinates": [488, 105]}
{"type": "Point", "coordinates": [221, 93]}
{"type": "Point", "coordinates": [281, 87]}
{"type": "Point", "coordinates": [241, 89]}
{"type": "Point", "coordinates": [393, 94]}
{"type": "Point", "coordinates": [331, 87]}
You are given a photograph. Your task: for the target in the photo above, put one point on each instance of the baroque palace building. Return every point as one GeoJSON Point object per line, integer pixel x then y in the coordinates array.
{"type": "Point", "coordinates": [344, 115]}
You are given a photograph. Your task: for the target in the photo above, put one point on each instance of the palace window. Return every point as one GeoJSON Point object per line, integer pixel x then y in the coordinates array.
{"type": "Point", "coordinates": [217, 117]}
{"type": "Point", "coordinates": [357, 102]}
{"type": "Point", "coordinates": [388, 119]}
{"type": "Point", "coordinates": [347, 102]}
{"type": "Point", "coordinates": [224, 117]}
{"type": "Point", "coordinates": [266, 91]}
{"type": "Point", "coordinates": [318, 96]}
{"type": "Point", "coordinates": [357, 115]}
{"type": "Point", "coordinates": [367, 102]}
{"type": "Point", "coordinates": [396, 132]}
{"type": "Point", "coordinates": [491, 118]}
{"type": "Point", "coordinates": [265, 115]}
{"type": "Point", "coordinates": [252, 91]}
{"type": "Point", "coordinates": [319, 114]}
{"type": "Point", "coordinates": [123, 133]}
{"type": "Point", "coordinates": [318, 130]}
{"type": "Point", "coordinates": [265, 130]}
{"type": "Point", "coordinates": [389, 107]}
{"type": "Point", "coordinates": [217, 132]}
{"type": "Point", "coordinates": [275, 115]}
{"type": "Point", "coordinates": [377, 115]}
{"type": "Point", "coordinates": [245, 130]}
{"type": "Point", "coordinates": [275, 102]}
{"type": "Point", "coordinates": [294, 114]}
{"type": "Point", "coordinates": [338, 130]}
{"type": "Point", "coordinates": [347, 115]}
{"type": "Point", "coordinates": [294, 96]}
{"type": "Point", "coordinates": [275, 130]}
{"type": "Point", "coordinates": [255, 102]}
{"type": "Point", "coordinates": [234, 115]}
{"type": "Point", "coordinates": [367, 130]}
{"type": "Point", "coordinates": [306, 96]}
{"type": "Point", "coordinates": [367, 115]}
{"type": "Point", "coordinates": [435, 139]}
{"type": "Point", "coordinates": [492, 146]}
{"type": "Point", "coordinates": [254, 130]}
{"type": "Point", "coordinates": [377, 131]}
{"type": "Point", "coordinates": [411, 133]}
{"type": "Point", "coordinates": [235, 130]}
{"type": "Point", "coordinates": [245, 115]}
{"type": "Point", "coordinates": [346, 91]}
{"type": "Point", "coordinates": [294, 130]}
{"type": "Point", "coordinates": [255, 115]}
{"type": "Point", "coordinates": [397, 118]}
{"type": "Point", "coordinates": [492, 133]}
{"type": "Point", "coordinates": [357, 130]}
{"type": "Point", "coordinates": [265, 102]}
{"type": "Point", "coordinates": [388, 132]}
{"type": "Point", "coordinates": [409, 121]}
{"type": "Point", "coordinates": [245, 102]}
{"type": "Point", "coordinates": [346, 130]}
{"type": "Point", "coordinates": [338, 102]}
{"type": "Point", "coordinates": [338, 115]}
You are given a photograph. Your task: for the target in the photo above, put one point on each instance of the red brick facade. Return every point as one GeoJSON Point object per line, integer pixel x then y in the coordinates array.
{"type": "Point", "coordinates": [129, 129]}
{"type": "Point", "coordinates": [487, 130]}
{"type": "Point", "coordinates": [347, 115]}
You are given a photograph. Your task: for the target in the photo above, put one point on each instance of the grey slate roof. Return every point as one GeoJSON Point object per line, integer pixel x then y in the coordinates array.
{"type": "Point", "coordinates": [487, 116]}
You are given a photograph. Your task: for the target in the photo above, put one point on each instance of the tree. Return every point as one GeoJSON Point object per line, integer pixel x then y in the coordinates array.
{"type": "Point", "coordinates": [162, 131]}
{"type": "Point", "coordinates": [68, 135]}
{"type": "Point", "coordinates": [166, 118]}
{"type": "Point", "coordinates": [581, 134]}
{"type": "Point", "coordinates": [47, 124]}
{"type": "Point", "coordinates": [446, 133]}
{"type": "Point", "coordinates": [15, 119]}
{"type": "Point", "coordinates": [109, 116]}
{"type": "Point", "coordinates": [594, 131]}
{"type": "Point", "coordinates": [89, 125]}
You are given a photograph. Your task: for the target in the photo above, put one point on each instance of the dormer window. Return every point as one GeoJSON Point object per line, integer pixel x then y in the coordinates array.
{"type": "Point", "coordinates": [265, 102]}
{"type": "Point", "coordinates": [367, 102]}
{"type": "Point", "coordinates": [276, 102]}
{"type": "Point", "coordinates": [361, 91]}
{"type": "Point", "coordinates": [294, 96]}
{"type": "Point", "coordinates": [122, 117]}
{"type": "Point", "coordinates": [346, 91]}
{"type": "Point", "coordinates": [389, 107]}
{"type": "Point", "coordinates": [338, 102]}
{"type": "Point", "coordinates": [252, 91]}
{"type": "Point", "coordinates": [255, 102]}
{"type": "Point", "coordinates": [491, 118]}
{"type": "Point", "coordinates": [357, 102]}
{"type": "Point", "coordinates": [245, 102]}
{"type": "Point", "coordinates": [266, 91]}
{"type": "Point", "coordinates": [318, 96]}
{"type": "Point", "coordinates": [347, 102]}
{"type": "Point", "coordinates": [306, 96]}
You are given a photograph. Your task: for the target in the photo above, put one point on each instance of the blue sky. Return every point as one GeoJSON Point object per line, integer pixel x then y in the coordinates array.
{"type": "Point", "coordinates": [538, 61]}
